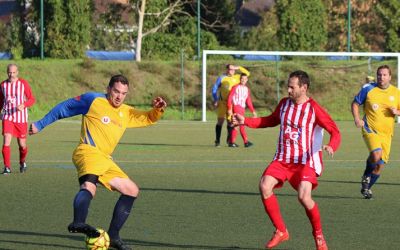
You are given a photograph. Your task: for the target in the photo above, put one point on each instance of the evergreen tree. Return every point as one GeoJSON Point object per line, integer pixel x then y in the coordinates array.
{"type": "Point", "coordinates": [389, 10]}
{"type": "Point", "coordinates": [68, 25]}
{"type": "Point", "coordinates": [303, 25]}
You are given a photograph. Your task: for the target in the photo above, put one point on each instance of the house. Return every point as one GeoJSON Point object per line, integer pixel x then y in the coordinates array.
{"type": "Point", "coordinates": [7, 7]}
{"type": "Point", "coordinates": [249, 13]}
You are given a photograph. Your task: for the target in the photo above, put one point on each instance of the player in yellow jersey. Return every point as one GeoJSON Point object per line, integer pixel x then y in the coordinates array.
{"type": "Point", "coordinates": [104, 120]}
{"type": "Point", "coordinates": [381, 102]}
{"type": "Point", "coordinates": [220, 93]}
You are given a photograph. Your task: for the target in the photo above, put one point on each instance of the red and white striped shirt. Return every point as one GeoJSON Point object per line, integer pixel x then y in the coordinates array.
{"type": "Point", "coordinates": [240, 96]}
{"type": "Point", "coordinates": [11, 96]}
{"type": "Point", "coordinates": [301, 132]}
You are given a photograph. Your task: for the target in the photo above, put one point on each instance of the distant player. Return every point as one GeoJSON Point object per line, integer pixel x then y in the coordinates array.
{"type": "Point", "coordinates": [220, 92]}
{"type": "Point", "coordinates": [15, 98]}
{"type": "Point", "coordinates": [104, 121]}
{"type": "Point", "coordinates": [298, 157]}
{"type": "Point", "coordinates": [239, 97]}
{"type": "Point", "coordinates": [381, 102]}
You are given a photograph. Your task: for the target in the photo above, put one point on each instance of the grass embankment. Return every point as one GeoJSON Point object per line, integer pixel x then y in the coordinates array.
{"type": "Point", "coordinates": [334, 83]}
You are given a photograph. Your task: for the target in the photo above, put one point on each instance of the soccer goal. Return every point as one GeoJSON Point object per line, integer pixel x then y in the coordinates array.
{"type": "Point", "coordinates": [336, 77]}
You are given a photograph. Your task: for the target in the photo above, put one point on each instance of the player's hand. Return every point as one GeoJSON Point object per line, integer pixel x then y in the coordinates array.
{"type": "Point", "coordinates": [359, 123]}
{"type": "Point", "coordinates": [33, 129]}
{"type": "Point", "coordinates": [237, 119]}
{"type": "Point", "coordinates": [21, 107]}
{"type": "Point", "coordinates": [329, 150]}
{"type": "Point", "coordinates": [215, 104]}
{"type": "Point", "coordinates": [394, 111]}
{"type": "Point", "coordinates": [254, 114]}
{"type": "Point", "coordinates": [159, 103]}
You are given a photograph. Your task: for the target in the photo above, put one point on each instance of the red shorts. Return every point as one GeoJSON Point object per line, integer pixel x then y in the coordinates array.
{"type": "Point", "coordinates": [18, 130]}
{"type": "Point", "coordinates": [293, 172]}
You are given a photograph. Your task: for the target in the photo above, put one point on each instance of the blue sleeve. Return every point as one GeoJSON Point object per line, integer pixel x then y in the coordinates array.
{"type": "Point", "coordinates": [75, 106]}
{"type": "Point", "coordinates": [362, 95]}
{"type": "Point", "coordinates": [215, 88]}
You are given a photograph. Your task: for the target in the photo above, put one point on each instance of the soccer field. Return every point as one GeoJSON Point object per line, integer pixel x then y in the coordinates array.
{"type": "Point", "coordinates": [196, 196]}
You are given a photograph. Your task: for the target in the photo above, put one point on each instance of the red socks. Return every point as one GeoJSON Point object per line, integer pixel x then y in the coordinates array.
{"type": "Point", "coordinates": [272, 208]}
{"type": "Point", "coordinates": [315, 219]}
{"type": "Point", "coordinates": [22, 154]}
{"type": "Point", "coordinates": [6, 156]}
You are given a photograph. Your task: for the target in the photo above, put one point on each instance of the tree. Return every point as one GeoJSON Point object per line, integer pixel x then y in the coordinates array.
{"type": "Point", "coordinates": [159, 14]}
{"type": "Point", "coordinates": [264, 36]}
{"type": "Point", "coordinates": [114, 29]}
{"type": "Point", "coordinates": [303, 25]}
{"type": "Point", "coordinates": [389, 11]}
{"type": "Point", "coordinates": [366, 26]}
{"type": "Point", "coordinates": [68, 25]}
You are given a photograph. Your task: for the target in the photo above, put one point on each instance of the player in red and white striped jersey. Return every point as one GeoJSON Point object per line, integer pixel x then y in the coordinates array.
{"type": "Point", "coordinates": [15, 97]}
{"type": "Point", "coordinates": [298, 157]}
{"type": "Point", "coordinates": [239, 98]}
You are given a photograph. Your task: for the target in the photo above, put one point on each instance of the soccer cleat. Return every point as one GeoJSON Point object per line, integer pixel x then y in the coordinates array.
{"type": "Point", "coordinates": [22, 167]}
{"type": "Point", "coordinates": [6, 171]}
{"type": "Point", "coordinates": [233, 145]}
{"type": "Point", "coordinates": [217, 144]}
{"type": "Point", "coordinates": [320, 242]}
{"type": "Point", "coordinates": [277, 238]}
{"type": "Point", "coordinates": [367, 193]}
{"type": "Point", "coordinates": [119, 245]}
{"type": "Point", "coordinates": [365, 180]}
{"type": "Point", "coordinates": [84, 228]}
{"type": "Point", "coordinates": [248, 144]}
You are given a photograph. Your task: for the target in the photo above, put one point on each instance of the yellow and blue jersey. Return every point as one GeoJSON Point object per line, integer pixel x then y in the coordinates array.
{"type": "Point", "coordinates": [102, 124]}
{"type": "Point", "coordinates": [225, 83]}
{"type": "Point", "coordinates": [377, 102]}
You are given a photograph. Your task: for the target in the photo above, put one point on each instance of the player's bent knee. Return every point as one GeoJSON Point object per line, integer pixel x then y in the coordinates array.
{"type": "Point", "coordinates": [125, 186]}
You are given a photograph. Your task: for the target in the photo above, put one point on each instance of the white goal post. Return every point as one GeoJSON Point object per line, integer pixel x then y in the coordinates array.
{"type": "Point", "coordinates": [207, 53]}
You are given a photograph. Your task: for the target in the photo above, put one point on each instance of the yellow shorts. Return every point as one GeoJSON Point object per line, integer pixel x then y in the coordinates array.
{"type": "Point", "coordinates": [376, 141]}
{"type": "Point", "coordinates": [89, 160]}
{"type": "Point", "coordinates": [222, 109]}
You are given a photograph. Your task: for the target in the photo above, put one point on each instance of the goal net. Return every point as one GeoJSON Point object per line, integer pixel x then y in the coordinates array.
{"type": "Point", "coordinates": [336, 77]}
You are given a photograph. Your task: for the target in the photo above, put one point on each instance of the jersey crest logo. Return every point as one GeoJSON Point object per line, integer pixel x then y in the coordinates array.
{"type": "Point", "coordinates": [375, 106]}
{"type": "Point", "coordinates": [391, 98]}
{"type": "Point", "coordinates": [105, 120]}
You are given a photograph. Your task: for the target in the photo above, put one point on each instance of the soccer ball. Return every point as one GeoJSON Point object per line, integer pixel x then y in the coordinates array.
{"type": "Point", "coordinates": [100, 243]}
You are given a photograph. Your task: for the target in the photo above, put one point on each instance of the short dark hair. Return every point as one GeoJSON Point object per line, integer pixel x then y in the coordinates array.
{"type": "Point", "coordinates": [227, 66]}
{"type": "Point", "coordinates": [302, 76]}
{"type": "Point", "coordinates": [384, 67]}
{"type": "Point", "coordinates": [243, 74]}
{"type": "Point", "coordinates": [118, 78]}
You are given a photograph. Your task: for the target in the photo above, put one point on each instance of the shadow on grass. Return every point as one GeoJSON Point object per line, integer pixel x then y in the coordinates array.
{"type": "Point", "coordinates": [182, 246]}
{"type": "Point", "coordinates": [201, 191]}
{"type": "Point", "coordinates": [153, 144]}
{"type": "Point", "coordinates": [359, 182]}
{"type": "Point", "coordinates": [37, 245]}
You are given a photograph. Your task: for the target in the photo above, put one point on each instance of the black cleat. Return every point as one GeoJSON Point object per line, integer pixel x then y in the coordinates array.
{"type": "Point", "coordinates": [248, 144]}
{"type": "Point", "coordinates": [6, 171]}
{"type": "Point", "coordinates": [365, 180]}
{"type": "Point", "coordinates": [367, 193]}
{"type": "Point", "coordinates": [84, 228]}
{"type": "Point", "coordinates": [22, 167]}
{"type": "Point", "coordinates": [119, 245]}
{"type": "Point", "coordinates": [233, 145]}
{"type": "Point", "coordinates": [217, 144]}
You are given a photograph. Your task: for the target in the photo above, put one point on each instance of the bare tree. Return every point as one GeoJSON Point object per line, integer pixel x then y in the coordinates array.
{"type": "Point", "coordinates": [165, 16]}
